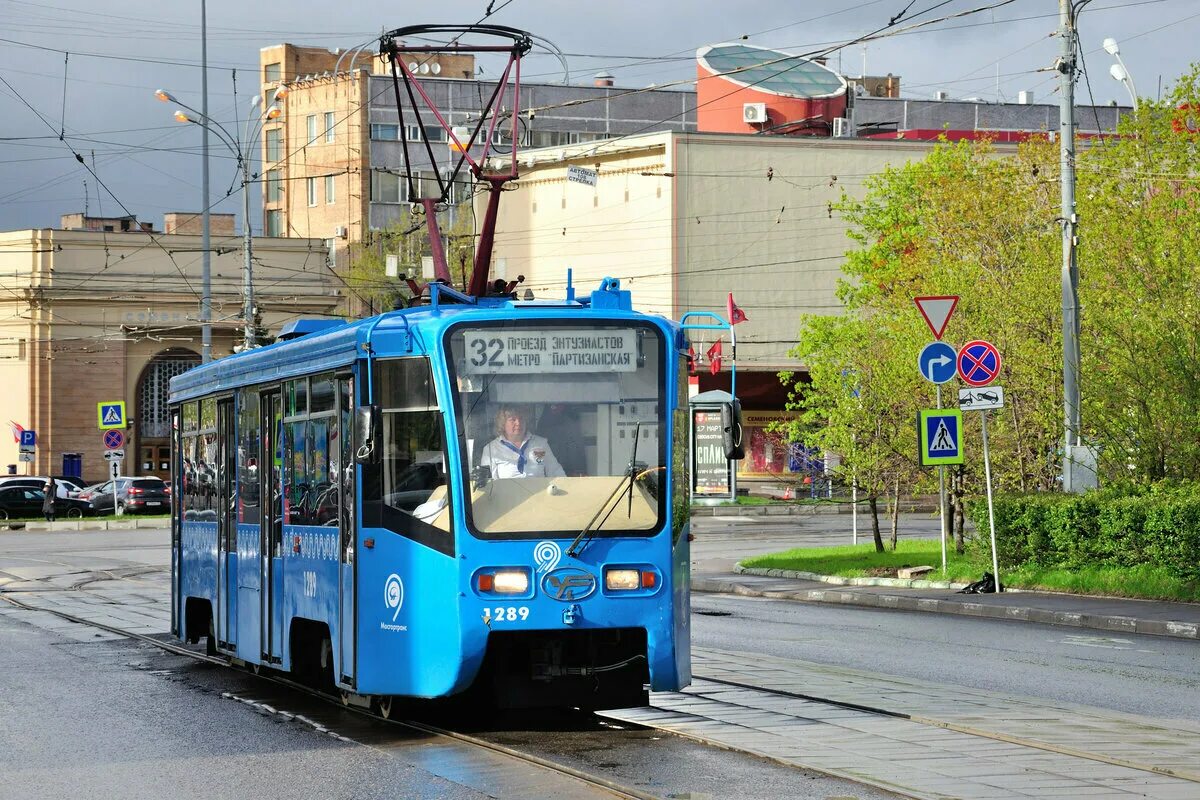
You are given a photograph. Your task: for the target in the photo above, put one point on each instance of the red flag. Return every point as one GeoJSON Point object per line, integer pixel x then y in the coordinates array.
{"type": "Point", "coordinates": [714, 357]}
{"type": "Point", "coordinates": [691, 357]}
{"type": "Point", "coordinates": [736, 315]}
{"type": "Point", "coordinates": [17, 430]}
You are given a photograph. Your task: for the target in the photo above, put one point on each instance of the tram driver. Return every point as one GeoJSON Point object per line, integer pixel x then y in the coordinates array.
{"type": "Point", "coordinates": [516, 452]}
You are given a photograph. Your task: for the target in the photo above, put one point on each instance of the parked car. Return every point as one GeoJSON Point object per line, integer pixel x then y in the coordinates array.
{"type": "Point", "coordinates": [130, 494]}
{"type": "Point", "coordinates": [26, 501]}
{"type": "Point", "coordinates": [68, 486]}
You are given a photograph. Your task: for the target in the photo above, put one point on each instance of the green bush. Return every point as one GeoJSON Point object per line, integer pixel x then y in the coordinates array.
{"type": "Point", "coordinates": [1122, 526]}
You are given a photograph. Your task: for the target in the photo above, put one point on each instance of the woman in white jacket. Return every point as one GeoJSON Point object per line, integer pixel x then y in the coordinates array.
{"type": "Point", "coordinates": [517, 453]}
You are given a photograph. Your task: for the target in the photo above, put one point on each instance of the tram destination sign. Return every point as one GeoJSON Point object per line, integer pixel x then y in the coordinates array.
{"type": "Point", "coordinates": [576, 350]}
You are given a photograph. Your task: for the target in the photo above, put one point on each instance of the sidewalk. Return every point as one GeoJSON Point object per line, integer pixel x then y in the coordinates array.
{"type": "Point", "coordinates": [1181, 620]}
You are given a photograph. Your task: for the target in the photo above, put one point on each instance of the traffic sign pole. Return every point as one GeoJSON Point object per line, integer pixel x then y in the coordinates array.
{"type": "Point", "coordinates": [987, 472]}
{"type": "Point", "coordinates": [942, 493]}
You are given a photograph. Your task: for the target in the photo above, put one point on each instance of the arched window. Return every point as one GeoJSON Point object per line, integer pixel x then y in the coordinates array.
{"type": "Point", "coordinates": [153, 420]}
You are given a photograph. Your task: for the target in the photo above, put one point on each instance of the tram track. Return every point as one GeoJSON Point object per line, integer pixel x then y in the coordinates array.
{"type": "Point", "coordinates": [603, 786]}
{"type": "Point", "coordinates": [1192, 775]}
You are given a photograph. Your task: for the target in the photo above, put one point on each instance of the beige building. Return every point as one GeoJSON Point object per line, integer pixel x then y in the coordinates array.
{"type": "Point", "coordinates": [92, 316]}
{"type": "Point", "coordinates": [683, 219]}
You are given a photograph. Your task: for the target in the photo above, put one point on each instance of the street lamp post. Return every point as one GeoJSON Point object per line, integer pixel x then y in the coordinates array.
{"type": "Point", "coordinates": [1119, 71]}
{"type": "Point", "coordinates": [243, 151]}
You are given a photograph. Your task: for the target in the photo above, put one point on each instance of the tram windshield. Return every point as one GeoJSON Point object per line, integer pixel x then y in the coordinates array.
{"type": "Point", "coordinates": [561, 426]}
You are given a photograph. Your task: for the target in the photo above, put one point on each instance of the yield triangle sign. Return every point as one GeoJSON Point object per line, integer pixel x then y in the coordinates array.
{"type": "Point", "coordinates": [936, 311]}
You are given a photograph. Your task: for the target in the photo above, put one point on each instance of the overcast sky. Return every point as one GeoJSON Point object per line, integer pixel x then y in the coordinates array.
{"type": "Point", "coordinates": [119, 56]}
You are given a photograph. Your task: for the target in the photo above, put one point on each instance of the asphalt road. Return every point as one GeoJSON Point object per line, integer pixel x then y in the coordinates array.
{"type": "Point", "coordinates": [1148, 675]}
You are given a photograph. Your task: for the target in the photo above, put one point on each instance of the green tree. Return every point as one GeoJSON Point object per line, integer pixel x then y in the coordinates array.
{"type": "Point", "coordinates": [1139, 206]}
{"type": "Point", "coordinates": [408, 239]}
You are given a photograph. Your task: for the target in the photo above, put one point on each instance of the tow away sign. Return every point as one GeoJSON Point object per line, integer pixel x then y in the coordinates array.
{"type": "Point", "coordinates": [981, 399]}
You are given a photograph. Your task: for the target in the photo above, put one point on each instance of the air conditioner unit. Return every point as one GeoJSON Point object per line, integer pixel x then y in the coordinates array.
{"type": "Point", "coordinates": [754, 113]}
{"type": "Point", "coordinates": [843, 128]}
{"type": "Point", "coordinates": [340, 231]}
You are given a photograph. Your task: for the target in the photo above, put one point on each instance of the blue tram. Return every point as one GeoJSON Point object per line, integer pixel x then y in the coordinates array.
{"type": "Point", "coordinates": [341, 510]}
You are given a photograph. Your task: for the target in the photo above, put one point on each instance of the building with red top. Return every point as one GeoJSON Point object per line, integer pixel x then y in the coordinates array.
{"type": "Point", "coordinates": [745, 89]}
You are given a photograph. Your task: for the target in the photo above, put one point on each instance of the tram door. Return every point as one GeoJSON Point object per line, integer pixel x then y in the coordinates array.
{"type": "Point", "coordinates": [347, 527]}
{"type": "Point", "coordinates": [271, 523]}
{"type": "Point", "coordinates": [226, 525]}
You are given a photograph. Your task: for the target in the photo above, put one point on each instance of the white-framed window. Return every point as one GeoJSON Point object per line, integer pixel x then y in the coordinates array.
{"type": "Point", "coordinates": [274, 137]}
{"type": "Point", "coordinates": [385, 187]}
{"type": "Point", "coordinates": [329, 125]}
{"type": "Point", "coordinates": [330, 197]}
{"type": "Point", "coordinates": [273, 222]}
{"type": "Point", "coordinates": [311, 123]}
{"type": "Point", "coordinates": [385, 132]}
{"type": "Point", "coordinates": [312, 190]}
{"type": "Point", "coordinates": [274, 186]}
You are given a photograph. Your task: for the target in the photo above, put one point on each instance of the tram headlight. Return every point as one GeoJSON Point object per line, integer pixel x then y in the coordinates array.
{"type": "Point", "coordinates": [510, 581]}
{"type": "Point", "coordinates": [622, 579]}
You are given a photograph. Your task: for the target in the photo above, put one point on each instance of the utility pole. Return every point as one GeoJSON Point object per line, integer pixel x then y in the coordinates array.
{"type": "Point", "coordinates": [250, 334]}
{"type": "Point", "coordinates": [205, 246]}
{"type": "Point", "coordinates": [1070, 227]}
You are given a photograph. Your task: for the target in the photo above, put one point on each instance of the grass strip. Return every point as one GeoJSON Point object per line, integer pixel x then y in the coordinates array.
{"type": "Point", "coordinates": [861, 561]}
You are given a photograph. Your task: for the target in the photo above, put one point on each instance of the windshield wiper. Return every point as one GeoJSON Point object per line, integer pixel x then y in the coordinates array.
{"type": "Point", "coordinates": [637, 437]}
{"type": "Point", "coordinates": [608, 502]}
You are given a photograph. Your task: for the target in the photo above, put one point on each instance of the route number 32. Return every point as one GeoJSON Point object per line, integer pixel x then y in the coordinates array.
{"type": "Point", "coordinates": [508, 613]}
{"type": "Point", "coordinates": [486, 352]}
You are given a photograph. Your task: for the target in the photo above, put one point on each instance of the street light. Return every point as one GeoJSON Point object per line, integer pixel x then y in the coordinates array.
{"type": "Point", "coordinates": [1119, 71]}
{"type": "Point", "coordinates": [243, 150]}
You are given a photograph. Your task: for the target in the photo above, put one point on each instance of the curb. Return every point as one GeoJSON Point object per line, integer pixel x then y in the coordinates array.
{"type": "Point", "coordinates": [901, 583]}
{"type": "Point", "coordinates": [1104, 622]}
{"type": "Point", "coordinates": [798, 509]}
{"type": "Point", "coordinates": [85, 525]}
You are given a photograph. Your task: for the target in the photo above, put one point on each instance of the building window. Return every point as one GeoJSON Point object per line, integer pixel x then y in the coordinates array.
{"type": "Point", "coordinates": [154, 421]}
{"type": "Point", "coordinates": [385, 187]}
{"type": "Point", "coordinates": [312, 190]}
{"type": "Point", "coordinates": [274, 186]}
{"type": "Point", "coordinates": [330, 197]}
{"type": "Point", "coordinates": [272, 72]}
{"type": "Point", "coordinates": [273, 222]}
{"type": "Point", "coordinates": [329, 124]}
{"type": "Point", "coordinates": [274, 144]}
{"type": "Point", "coordinates": [311, 122]}
{"type": "Point", "coordinates": [435, 133]}
{"type": "Point", "coordinates": [551, 138]}
{"type": "Point", "coordinates": [384, 132]}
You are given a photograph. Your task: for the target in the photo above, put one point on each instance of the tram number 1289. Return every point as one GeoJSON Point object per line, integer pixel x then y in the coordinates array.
{"type": "Point", "coordinates": [506, 614]}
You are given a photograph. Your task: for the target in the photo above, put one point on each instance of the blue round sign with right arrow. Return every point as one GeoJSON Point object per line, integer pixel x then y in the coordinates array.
{"type": "Point", "coordinates": [938, 362]}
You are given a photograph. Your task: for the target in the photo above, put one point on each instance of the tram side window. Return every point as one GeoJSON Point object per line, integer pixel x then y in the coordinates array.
{"type": "Point", "coordinates": [410, 478]}
{"type": "Point", "coordinates": [295, 471]}
{"type": "Point", "coordinates": [204, 460]}
{"type": "Point", "coordinates": [249, 438]}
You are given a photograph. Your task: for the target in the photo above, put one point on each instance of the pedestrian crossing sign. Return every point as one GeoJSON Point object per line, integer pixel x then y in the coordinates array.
{"type": "Point", "coordinates": [110, 414]}
{"type": "Point", "coordinates": [940, 433]}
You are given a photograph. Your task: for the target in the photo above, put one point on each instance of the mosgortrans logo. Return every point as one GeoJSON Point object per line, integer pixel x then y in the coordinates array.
{"type": "Point", "coordinates": [569, 584]}
{"type": "Point", "coordinates": [393, 594]}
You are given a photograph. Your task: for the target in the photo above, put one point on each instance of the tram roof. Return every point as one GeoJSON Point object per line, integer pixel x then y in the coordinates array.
{"type": "Point", "coordinates": [330, 348]}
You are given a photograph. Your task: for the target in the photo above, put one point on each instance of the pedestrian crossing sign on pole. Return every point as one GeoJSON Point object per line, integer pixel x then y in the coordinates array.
{"type": "Point", "coordinates": [940, 433]}
{"type": "Point", "coordinates": [110, 414]}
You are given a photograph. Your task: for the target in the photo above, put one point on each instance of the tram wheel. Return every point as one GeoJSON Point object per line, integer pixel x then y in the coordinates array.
{"type": "Point", "coordinates": [386, 709]}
